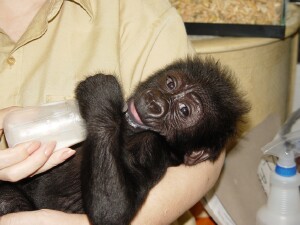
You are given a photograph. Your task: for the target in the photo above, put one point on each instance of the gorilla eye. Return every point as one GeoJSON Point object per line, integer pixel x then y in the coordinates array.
{"type": "Point", "coordinates": [170, 83]}
{"type": "Point", "coordinates": [184, 109]}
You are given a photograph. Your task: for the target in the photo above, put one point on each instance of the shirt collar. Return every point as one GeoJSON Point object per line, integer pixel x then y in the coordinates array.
{"type": "Point", "coordinates": [46, 13]}
{"type": "Point", "coordinates": [86, 5]}
{"type": "Point", "coordinates": [56, 5]}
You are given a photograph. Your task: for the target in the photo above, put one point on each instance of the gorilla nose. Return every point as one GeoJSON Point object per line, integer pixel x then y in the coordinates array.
{"type": "Point", "coordinates": [156, 103]}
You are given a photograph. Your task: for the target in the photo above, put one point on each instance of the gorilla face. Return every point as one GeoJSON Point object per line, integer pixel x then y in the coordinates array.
{"type": "Point", "coordinates": [193, 103]}
{"type": "Point", "coordinates": [169, 103]}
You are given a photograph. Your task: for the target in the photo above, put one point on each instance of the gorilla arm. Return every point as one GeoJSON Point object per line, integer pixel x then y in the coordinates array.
{"type": "Point", "coordinates": [100, 102]}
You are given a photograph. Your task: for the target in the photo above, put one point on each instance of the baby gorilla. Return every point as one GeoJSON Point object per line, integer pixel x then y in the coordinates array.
{"type": "Point", "coordinates": [184, 113]}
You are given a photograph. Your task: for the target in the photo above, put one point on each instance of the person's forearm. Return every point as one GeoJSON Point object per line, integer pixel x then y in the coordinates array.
{"type": "Point", "coordinates": [177, 192]}
{"type": "Point", "coordinates": [44, 217]}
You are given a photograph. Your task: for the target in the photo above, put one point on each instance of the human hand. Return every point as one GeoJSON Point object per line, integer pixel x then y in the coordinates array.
{"type": "Point", "coordinates": [30, 158]}
{"type": "Point", "coordinates": [44, 217]}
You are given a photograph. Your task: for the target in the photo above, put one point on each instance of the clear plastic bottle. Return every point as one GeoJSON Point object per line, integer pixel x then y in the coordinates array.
{"type": "Point", "coordinates": [60, 122]}
{"type": "Point", "coordinates": [283, 205]}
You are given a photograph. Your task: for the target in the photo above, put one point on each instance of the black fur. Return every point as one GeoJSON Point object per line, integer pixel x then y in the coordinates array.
{"type": "Point", "coordinates": [111, 175]}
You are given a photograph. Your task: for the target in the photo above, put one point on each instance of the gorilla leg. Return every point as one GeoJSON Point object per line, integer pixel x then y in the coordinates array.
{"type": "Point", "coordinates": [13, 200]}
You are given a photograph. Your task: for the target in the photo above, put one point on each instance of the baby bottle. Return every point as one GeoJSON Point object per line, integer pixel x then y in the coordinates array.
{"type": "Point", "coordinates": [59, 121]}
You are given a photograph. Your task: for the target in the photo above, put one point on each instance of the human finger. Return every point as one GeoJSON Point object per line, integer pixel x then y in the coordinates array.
{"type": "Point", "coordinates": [12, 156]}
{"type": "Point", "coordinates": [56, 158]}
{"type": "Point", "coordinates": [28, 166]}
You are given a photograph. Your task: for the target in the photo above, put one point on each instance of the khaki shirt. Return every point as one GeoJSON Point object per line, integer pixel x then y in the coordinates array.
{"type": "Point", "coordinates": [69, 40]}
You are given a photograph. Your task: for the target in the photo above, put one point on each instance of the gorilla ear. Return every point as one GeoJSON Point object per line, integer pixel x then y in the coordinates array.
{"type": "Point", "coordinates": [196, 157]}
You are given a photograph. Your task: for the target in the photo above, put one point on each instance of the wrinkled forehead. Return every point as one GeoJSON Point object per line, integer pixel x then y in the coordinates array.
{"type": "Point", "coordinates": [188, 92]}
{"type": "Point", "coordinates": [184, 82]}
{"type": "Point", "coordinates": [180, 77]}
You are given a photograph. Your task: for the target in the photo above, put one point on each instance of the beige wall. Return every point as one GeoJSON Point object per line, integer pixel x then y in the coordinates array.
{"type": "Point", "coordinates": [264, 67]}
{"type": "Point", "coordinates": [264, 72]}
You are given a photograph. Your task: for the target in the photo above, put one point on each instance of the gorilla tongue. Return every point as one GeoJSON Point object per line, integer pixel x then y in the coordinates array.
{"type": "Point", "coordinates": [134, 113]}
{"type": "Point", "coordinates": [133, 117]}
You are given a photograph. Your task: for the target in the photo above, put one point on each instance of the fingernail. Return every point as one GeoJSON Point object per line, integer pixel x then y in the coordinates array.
{"type": "Point", "coordinates": [68, 154]}
{"type": "Point", "coordinates": [49, 148]}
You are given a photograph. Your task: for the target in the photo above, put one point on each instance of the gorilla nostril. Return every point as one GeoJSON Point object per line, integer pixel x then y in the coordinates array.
{"type": "Point", "coordinates": [155, 108]}
{"type": "Point", "coordinates": [158, 107]}
{"type": "Point", "coordinates": [148, 97]}
{"type": "Point", "coordinates": [155, 103]}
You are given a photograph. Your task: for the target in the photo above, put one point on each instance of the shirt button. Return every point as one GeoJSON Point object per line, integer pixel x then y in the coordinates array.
{"type": "Point", "coordinates": [11, 60]}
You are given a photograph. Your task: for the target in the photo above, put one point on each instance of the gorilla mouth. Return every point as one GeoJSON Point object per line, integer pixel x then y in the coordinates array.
{"type": "Point", "coordinates": [133, 112]}
{"type": "Point", "coordinates": [133, 117]}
